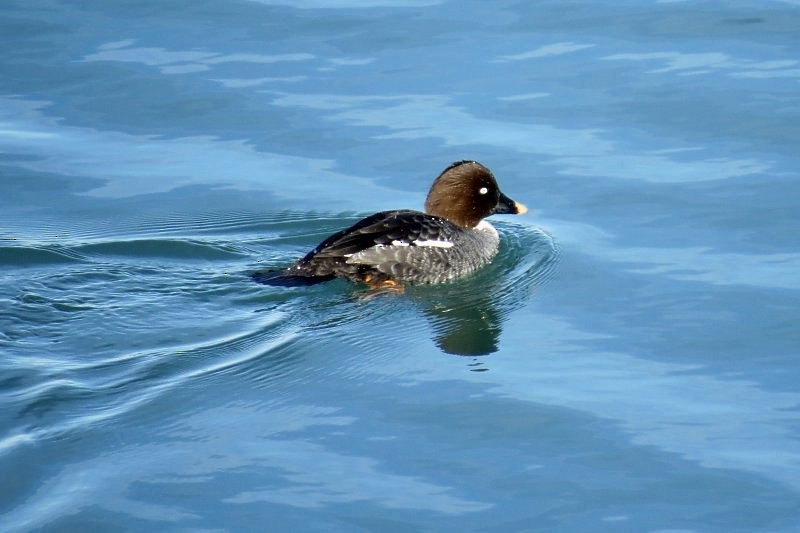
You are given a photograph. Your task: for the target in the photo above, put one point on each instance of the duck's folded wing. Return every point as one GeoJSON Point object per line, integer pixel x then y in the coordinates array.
{"type": "Point", "coordinates": [388, 228]}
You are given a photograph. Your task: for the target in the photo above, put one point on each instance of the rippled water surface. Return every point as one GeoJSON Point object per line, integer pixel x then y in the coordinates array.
{"type": "Point", "coordinates": [629, 362]}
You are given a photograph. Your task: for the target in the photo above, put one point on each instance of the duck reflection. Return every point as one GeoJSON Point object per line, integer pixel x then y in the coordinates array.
{"type": "Point", "coordinates": [467, 316]}
{"type": "Point", "coordinates": [466, 327]}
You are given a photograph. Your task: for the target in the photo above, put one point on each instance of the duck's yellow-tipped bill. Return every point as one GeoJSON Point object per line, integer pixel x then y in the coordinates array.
{"type": "Point", "coordinates": [507, 206]}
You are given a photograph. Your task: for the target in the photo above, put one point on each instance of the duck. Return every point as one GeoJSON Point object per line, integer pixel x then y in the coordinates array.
{"type": "Point", "coordinates": [449, 240]}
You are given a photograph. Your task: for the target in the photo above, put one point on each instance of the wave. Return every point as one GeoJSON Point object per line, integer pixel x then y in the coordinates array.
{"type": "Point", "coordinates": [111, 325]}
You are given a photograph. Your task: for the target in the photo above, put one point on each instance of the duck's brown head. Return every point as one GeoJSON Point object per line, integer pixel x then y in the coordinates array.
{"type": "Point", "coordinates": [466, 192]}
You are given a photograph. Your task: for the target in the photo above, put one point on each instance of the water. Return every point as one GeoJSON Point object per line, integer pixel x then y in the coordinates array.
{"type": "Point", "coordinates": [629, 362]}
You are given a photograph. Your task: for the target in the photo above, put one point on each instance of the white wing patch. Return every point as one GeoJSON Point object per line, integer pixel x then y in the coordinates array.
{"type": "Point", "coordinates": [434, 244]}
{"type": "Point", "coordinates": [377, 254]}
{"type": "Point", "coordinates": [431, 243]}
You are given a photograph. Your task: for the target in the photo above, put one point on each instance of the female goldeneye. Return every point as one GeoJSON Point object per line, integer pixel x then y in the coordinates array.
{"type": "Point", "coordinates": [448, 240]}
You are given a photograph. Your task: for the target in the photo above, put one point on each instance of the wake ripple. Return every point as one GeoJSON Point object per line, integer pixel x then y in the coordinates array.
{"type": "Point", "coordinates": [99, 328]}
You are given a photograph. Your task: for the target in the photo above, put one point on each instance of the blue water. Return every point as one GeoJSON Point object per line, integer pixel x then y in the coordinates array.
{"type": "Point", "coordinates": [630, 361]}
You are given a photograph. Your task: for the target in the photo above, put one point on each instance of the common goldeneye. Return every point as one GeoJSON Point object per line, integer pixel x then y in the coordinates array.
{"type": "Point", "coordinates": [450, 239]}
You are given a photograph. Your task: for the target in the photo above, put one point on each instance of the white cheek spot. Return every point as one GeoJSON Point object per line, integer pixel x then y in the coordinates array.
{"type": "Point", "coordinates": [435, 244]}
{"type": "Point", "coordinates": [483, 190]}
